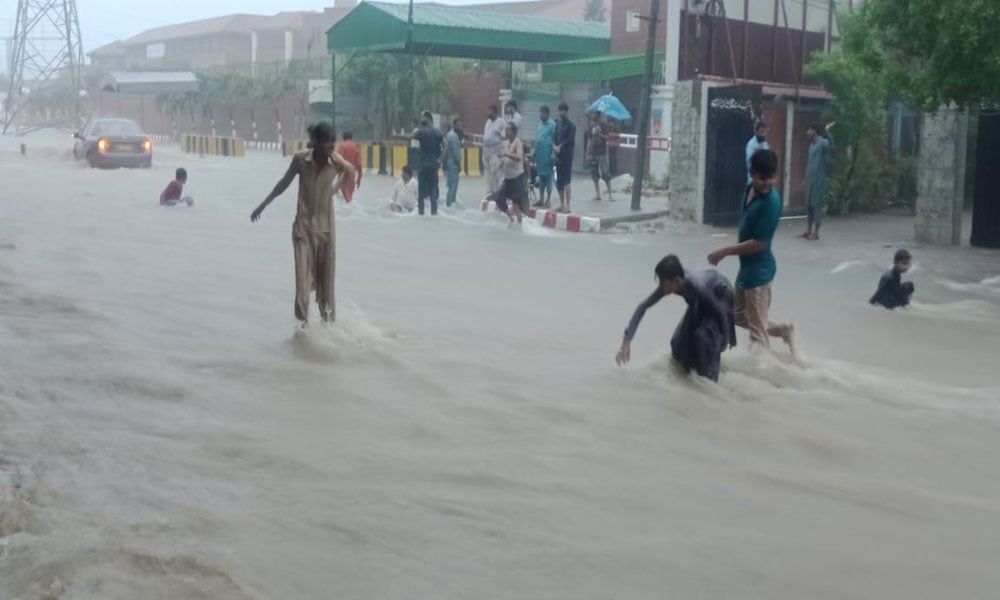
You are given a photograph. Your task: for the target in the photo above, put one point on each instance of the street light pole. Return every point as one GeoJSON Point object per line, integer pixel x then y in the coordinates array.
{"type": "Point", "coordinates": [646, 104]}
{"type": "Point", "coordinates": [410, 84]}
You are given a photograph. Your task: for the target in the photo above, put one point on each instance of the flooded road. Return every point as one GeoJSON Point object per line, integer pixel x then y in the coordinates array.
{"type": "Point", "coordinates": [462, 431]}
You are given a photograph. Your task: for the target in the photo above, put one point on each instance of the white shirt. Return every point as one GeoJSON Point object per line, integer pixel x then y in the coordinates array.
{"type": "Point", "coordinates": [493, 134]}
{"type": "Point", "coordinates": [515, 118]}
{"type": "Point", "coordinates": [404, 196]}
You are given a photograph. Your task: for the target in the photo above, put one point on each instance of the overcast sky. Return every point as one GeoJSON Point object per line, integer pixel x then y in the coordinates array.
{"type": "Point", "coordinates": [104, 21]}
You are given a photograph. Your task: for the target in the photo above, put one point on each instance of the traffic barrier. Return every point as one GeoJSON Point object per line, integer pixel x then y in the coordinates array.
{"type": "Point", "coordinates": [373, 159]}
{"type": "Point", "coordinates": [209, 145]}
{"type": "Point", "coordinates": [472, 161]}
{"type": "Point", "coordinates": [555, 220]}
{"type": "Point", "coordinates": [380, 158]}
{"type": "Point", "coordinates": [398, 158]}
{"type": "Point", "coordinates": [291, 147]}
{"type": "Point", "coordinates": [631, 140]}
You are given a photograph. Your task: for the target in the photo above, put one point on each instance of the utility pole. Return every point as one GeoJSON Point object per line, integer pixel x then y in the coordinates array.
{"type": "Point", "coordinates": [35, 67]}
{"type": "Point", "coordinates": [333, 90]}
{"type": "Point", "coordinates": [410, 91]}
{"type": "Point", "coordinates": [646, 105]}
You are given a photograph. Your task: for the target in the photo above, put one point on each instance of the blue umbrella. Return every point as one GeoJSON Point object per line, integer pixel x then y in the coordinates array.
{"type": "Point", "coordinates": [610, 107]}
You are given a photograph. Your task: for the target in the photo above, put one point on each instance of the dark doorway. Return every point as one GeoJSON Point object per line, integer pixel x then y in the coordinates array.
{"type": "Point", "coordinates": [732, 112]}
{"type": "Point", "coordinates": [986, 196]}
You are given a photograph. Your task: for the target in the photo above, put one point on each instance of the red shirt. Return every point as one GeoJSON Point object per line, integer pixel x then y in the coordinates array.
{"type": "Point", "coordinates": [172, 192]}
{"type": "Point", "coordinates": [352, 154]}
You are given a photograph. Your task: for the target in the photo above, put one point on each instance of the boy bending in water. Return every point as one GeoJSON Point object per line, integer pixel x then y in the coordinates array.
{"type": "Point", "coordinates": [320, 172]}
{"type": "Point", "coordinates": [891, 293]}
{"type": "Point", "coordinates": [708, 326]}
{"type": "Point", "coordinates": [760, 213]}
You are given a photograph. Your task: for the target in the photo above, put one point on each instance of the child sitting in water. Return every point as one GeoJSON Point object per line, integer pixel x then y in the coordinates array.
{"type": "Point", "coordinates": [891, 293]}
{"type": "Point", "coordinates": [404, 196]}
{"type": "Point", "coordinates": [171, 195]}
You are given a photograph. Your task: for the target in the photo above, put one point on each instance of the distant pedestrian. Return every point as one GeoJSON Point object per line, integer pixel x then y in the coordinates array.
{"type": "Point", "coordinates": [514, 198]}
{"type": "Point", "coordinates": [543, 157]}
{"type": "Point", "coordinates": [760, 213]}
{"type": "Point", "coordinates": [320, 171]}
{"type": "Point", "coordinates": [511, 115]}
{"type": "Point", "coordinates": [564, 146]}
{"type": "Point", "coordinates": [404, 195]}
{"type": "Point", "coordinates": [757, 142]}
{"type": "Point", "coordinates": [708, 327]}
{"type": "Point", "coordinates": [493, 136]}
{"type": "Point", "coordinates": [350, 152]}
{"type": "Point", "coordinates": [453, 159]}
{"type": "Point", "coordinates": [819, 151]}
{"type": "Point", "coordinates": [597, 154]}
{"type": "Point", "coordinates": [891, 293]}
{"type": "Point", "coordinates": [431, 146]}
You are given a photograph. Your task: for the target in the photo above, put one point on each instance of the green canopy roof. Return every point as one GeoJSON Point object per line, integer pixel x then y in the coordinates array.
{"type": "Point", "coordinates": [598, 68]}
{"type": "Point", "coordinates": [464, 33]}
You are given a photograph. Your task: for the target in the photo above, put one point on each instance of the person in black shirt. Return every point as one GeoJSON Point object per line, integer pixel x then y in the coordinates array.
{"type": "Point", "coordinates": [564, 145]}
{"type": "Point", "coordinates": [431, 146]}
{"type": "Point", "coordinates": [891, 293]}
{"type": "Point", "coordinates": [708, 327]}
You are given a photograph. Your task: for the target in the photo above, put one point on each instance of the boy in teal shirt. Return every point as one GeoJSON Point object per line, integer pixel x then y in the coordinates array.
{"type": "Point", "coordinates": [760, 213]}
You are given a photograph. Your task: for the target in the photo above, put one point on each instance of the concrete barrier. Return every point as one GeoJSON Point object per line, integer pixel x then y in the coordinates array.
{"type": "Point", "coordinates": [388, 158]}
{"type": "Point", "coordinates": [291, 147]}
{"type": "Point", "coordinates": [208, 145]}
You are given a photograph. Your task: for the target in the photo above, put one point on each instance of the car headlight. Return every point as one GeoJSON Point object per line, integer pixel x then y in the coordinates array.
{"type": "Point", "coordinates": [147, 145]}
{"type": "Point", "coordinates": [102, 145]}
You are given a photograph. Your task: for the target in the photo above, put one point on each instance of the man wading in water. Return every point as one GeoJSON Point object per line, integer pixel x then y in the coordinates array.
{"type": "Point", "coordinates": [320, 173]}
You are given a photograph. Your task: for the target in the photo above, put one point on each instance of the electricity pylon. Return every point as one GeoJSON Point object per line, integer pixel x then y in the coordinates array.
{"type": "Point", "coordinates": [46, 59]}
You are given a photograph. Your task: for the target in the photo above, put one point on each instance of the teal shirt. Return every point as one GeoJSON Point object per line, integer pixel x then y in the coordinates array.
{"type": "Point", "coordinates": [543, 142]}
{"type": "Point", "coordinates": [758, 221]}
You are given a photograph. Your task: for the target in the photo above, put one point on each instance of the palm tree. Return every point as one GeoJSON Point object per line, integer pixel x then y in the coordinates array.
{"type": "Point", "coordinates": [173, 104]}
{"type": "Point", "coordinates": [379, 78]}
{"type": "Point", "coordinates": [271, 92]}
{"type": "Point", "coordinates": [434, 85]}
{"type": "Point", "coordinates": [254, 92]}
{"type": "Point", "coordinates": [208, 93]}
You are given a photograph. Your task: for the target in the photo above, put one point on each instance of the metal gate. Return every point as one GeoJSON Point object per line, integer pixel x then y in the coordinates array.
{"type": "Point", "coordinates": [986, 197]}
{"type": "Point", "coordinates": [732, 112]}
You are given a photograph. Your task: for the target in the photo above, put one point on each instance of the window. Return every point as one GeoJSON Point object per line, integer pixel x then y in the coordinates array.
{"type": "Point", "coordinates": [632, 21]}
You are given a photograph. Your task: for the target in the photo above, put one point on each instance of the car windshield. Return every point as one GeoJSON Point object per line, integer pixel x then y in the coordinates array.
{"type": "Point", "coordinates": [115, 128]}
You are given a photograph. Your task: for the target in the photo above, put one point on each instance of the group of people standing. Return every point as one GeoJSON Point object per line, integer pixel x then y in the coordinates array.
{"type": "Point", "coordinates": [504, 158]}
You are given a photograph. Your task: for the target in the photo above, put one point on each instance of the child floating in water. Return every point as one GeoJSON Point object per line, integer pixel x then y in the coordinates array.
{"type": "Point", "coordinates": [891, 293]}
{"type": "Point", "coordinates": [404, 196]}
{"type": "Point", "coordinates": [171, 195]}
{"type": "Point", "coordinates": [708, 327]}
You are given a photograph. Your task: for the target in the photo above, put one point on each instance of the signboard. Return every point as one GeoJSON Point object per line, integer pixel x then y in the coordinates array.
{"type": "Point", "coordinates": [320, 91]}
{"type": "Point", "coordinates": [657, 121]}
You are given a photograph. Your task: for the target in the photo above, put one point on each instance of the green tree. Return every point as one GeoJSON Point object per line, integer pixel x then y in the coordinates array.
{"type": "Point", "coordinates": [379, 78]}
{"type": "Point", "coordinates": [272, 90]}
{"type": "Point", "coordinates": [595, 11]}
{"type": "Point", "coordinates": [854, 74]}
{"type": "Point", "coordinates": [173, 104]}
{"type": "Point", "coordinates": [433, 84]}
{"type": "Point", "coordinates": [938, 52]}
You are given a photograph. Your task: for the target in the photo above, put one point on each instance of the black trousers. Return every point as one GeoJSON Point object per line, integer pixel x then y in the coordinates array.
{"type": "Point", "coordinates": [427, 187]}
